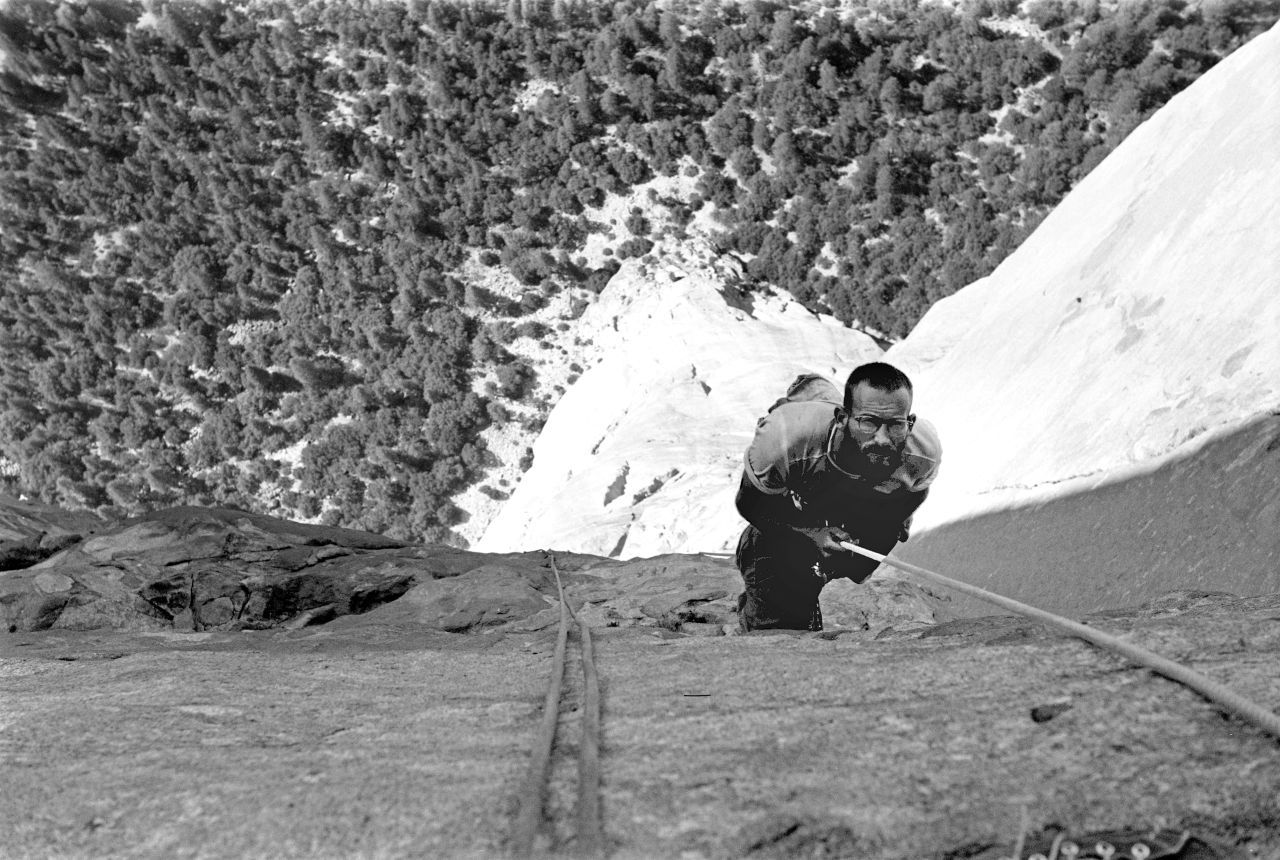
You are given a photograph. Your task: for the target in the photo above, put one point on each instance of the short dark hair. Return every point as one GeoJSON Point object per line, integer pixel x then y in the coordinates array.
{"type": "Point", "coordinates": [877, 374]}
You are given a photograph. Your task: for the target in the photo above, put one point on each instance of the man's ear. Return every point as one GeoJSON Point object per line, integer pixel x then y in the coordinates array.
{"type": "Point", "coordinates": [911, 420]}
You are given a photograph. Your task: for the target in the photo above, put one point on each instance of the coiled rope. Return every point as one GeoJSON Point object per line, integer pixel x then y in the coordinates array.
{"type": "Point", "coordinates": [1217, 693]}
{"type": "Point", "coordinates": [533, 792]}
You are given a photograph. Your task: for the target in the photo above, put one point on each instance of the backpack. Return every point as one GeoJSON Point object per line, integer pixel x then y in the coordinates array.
{"type": "Point", "coordinates": [810, 386]}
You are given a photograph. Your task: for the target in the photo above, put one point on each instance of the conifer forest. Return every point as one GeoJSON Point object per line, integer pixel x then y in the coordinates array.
{"type": "Point", "coordinates": [229, 231]}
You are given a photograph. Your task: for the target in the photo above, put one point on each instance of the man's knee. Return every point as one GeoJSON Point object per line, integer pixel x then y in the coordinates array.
{"type": "Point", "coordinates": [780, 589]}
{"type": "Point", "coordinates": [777, 608]}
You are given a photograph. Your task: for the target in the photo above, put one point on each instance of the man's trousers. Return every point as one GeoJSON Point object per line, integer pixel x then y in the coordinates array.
{"type": "Point", "coordinates": [783, 574]}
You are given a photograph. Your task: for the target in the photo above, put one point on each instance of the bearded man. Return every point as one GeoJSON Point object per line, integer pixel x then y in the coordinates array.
{"type": "Point", "coordinates": [821, 473]}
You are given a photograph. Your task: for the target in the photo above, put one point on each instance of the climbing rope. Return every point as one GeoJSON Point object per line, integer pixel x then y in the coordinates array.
{"type": "Point", "coordinates": [534, 791]}
{"type": "Point", "coordinates": [1213, 691]}
{"type": "Point", "coordinates": [590, 825]}
{"type": "Point", "coordinates": [532, 800]}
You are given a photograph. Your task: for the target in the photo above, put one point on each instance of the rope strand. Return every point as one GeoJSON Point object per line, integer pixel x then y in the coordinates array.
{"type": "Point", "coordinates": [590, 840]}
{"type": "Point", "coordinates": [590, 826]}
{"type": "Point", "coordinates": [1213, 691]}
{"type": "Point", "coordinates": [534, 790]}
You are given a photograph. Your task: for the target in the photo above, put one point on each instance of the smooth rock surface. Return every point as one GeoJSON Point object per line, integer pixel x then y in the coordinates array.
{"type": "Point", "coordinates": [1206, 519]}
{"type": "Point", "coordinates": [336, 732]}
{"type": "Point", "coordinates": [1143, 312]}
{"type": "Point", "coordinates": [380, 737]}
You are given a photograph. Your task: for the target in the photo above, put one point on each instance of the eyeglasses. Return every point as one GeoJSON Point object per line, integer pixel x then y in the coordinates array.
{"type": "Point", "coordinates": [896, 428]}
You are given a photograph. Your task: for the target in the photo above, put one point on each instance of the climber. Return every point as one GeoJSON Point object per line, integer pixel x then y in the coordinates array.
{"type": "Point", "coordinates": [823, 470]}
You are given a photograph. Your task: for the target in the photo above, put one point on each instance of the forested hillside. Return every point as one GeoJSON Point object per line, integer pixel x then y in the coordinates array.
{"type": "Point", "coordinates": [247, 252]}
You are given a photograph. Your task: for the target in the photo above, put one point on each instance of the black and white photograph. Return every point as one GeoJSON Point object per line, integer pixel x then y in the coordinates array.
{"type": "Point", "coordinates": [691, 429]}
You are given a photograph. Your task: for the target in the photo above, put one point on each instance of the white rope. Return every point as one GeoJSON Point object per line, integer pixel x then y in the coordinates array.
{"type": "Point", "coordinates": [1210, 689]}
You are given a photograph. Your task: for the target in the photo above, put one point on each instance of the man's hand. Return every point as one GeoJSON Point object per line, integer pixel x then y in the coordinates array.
{"type": "Point", "coordinates": [827, 540]}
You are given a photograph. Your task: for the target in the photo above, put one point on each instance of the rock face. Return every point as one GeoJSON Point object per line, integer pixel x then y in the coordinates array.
{"type": "Point", "coordinates": [212, 683]}
{"type": "Point", "coordinates": [30, 532]}
{"type": "Point", "coordinates": [198, 569]}
{"type": "Point", "coordinates": [641, 455]}
{"type": "Point", "coordinates": [1205, 519]}
{"type": "Point", "coordinates": [1144, 311]}
{"type": "Point", "coordinates": [373, 736]}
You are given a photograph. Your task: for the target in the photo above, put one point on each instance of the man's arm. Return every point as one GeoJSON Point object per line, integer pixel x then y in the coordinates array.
{"type": "Point", "coordinates": [913, 501]}
{"type": "Point", "coordinates": [879, 534]}
{"type": "Point", "coordinates": [774, 512]}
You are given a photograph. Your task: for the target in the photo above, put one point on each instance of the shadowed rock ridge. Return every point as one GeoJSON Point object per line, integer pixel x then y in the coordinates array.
{"type": "Point", "coordinates": [32, 532]}
{"type": "Point", "coordinates": [195, 569]}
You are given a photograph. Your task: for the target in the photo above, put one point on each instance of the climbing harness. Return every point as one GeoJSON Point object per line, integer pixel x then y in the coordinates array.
{"type": "Point", "coordinates": [530, 815]}
{"type": "Point", "coordinates": [1213, 691]}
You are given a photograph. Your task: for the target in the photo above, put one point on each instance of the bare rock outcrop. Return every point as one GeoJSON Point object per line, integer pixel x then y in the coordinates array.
{"type": "Point", "coordinates": [31, 532]}
{"type": "Point", "coordinates": [197, 569]}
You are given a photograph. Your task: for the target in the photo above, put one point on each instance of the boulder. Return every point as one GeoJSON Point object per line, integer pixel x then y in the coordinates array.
{"type": "Point", "coordinates": [671, 591]}
{"type": "Point", "coordinates": [31, 532]}
{"type": "Point", "coordinates": [888, 601]}
{"type": "Point", "coordinates": [207, 568]}
{"type": "Point", "coordinates": [485, 597]}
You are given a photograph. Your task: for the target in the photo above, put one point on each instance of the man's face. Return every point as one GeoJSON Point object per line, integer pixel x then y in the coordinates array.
{"type": "Point", "coordinates": [879, 423]}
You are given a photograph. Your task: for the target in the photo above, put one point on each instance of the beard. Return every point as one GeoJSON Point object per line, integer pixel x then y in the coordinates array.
{"type": "Point", "coordinates": [879, 461]}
